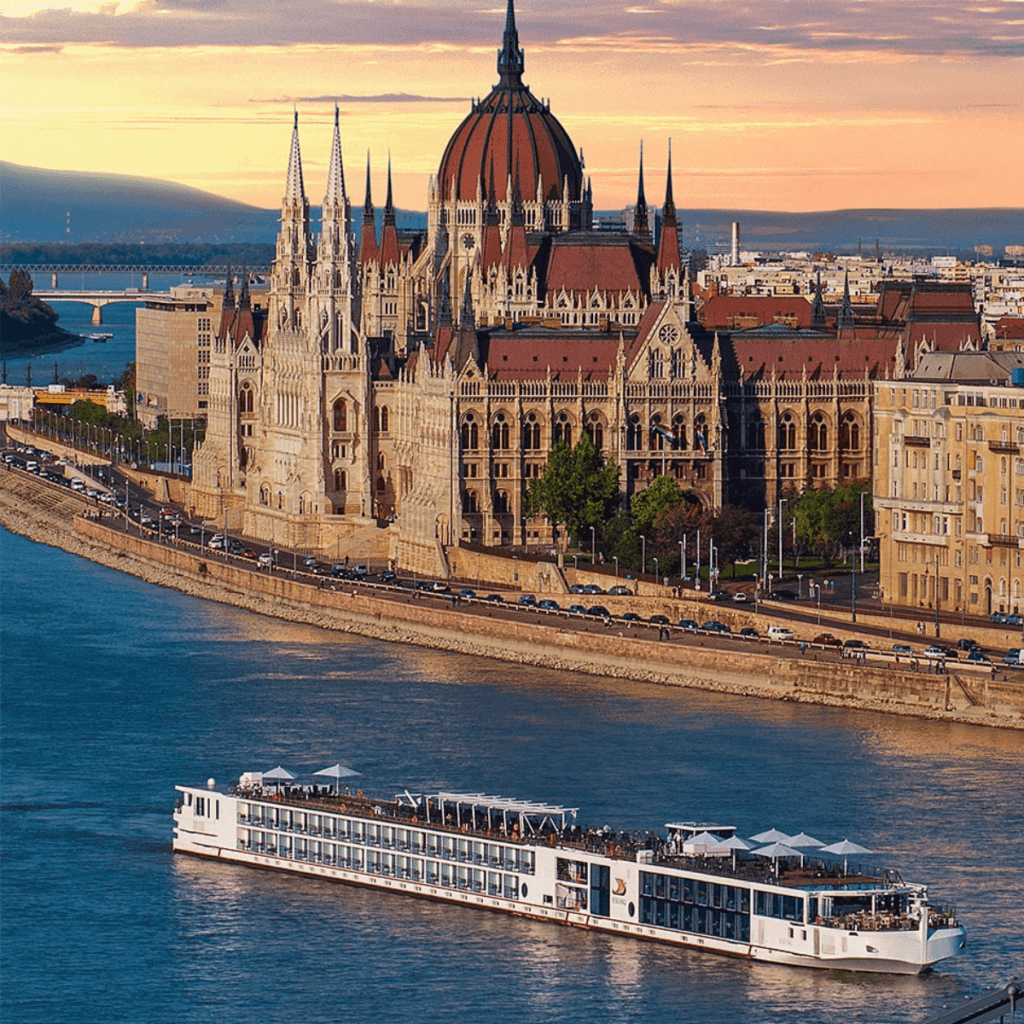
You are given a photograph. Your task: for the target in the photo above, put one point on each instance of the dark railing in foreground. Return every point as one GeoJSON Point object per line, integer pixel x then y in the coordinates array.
{"type": "Point", "coordinates": [1001, 1004]}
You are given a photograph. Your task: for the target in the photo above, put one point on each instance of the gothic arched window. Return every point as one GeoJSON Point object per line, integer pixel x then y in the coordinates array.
{"type": "Point", "coordinates": [499, 432]}
{"type": "Point", "coordinates": [787, 433]}
{"type": "Point", "coordinates": [595, 428]}
{"type": "Point", "coordinates": [531, 433]}
{"type": "Point", "coordinates": [817, 440]}
{"type": "Point", "coordinates": [340, 415]}
{"type": "Point", "coordinates": [470, 433]}
{"type": "Point", "coordinates": [849, 433]}
{"type": "Point", "coordinates": [679, 430]}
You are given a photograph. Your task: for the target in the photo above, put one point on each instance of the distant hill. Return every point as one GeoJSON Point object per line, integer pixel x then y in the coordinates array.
{"type": "Point", "coordinates": [121, 208]}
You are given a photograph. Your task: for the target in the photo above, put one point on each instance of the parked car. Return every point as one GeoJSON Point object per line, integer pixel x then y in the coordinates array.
{"type": "Point", "coordinates": [719, 595]}
{"type": "Point", "coordinates": [827, 640]}
{"type": "Point", "coordinates": [619, 591]}
{"type": "Point", "coordinates": [1013, 657]}
{"type": "Point", "coordinates": [577, 609]}
{"type": "Point", "coordinates": [782, 595]}
{"type": "Point", "coordinates": [359, 570]}
{"type": "Point", "coordinates": [495, 599]}
{"type": "Point", "coordinates": [938, 651]}
{"type": "Point", "coordinates": [576, 588]}
{"type": "Point", "coordinates": [632, 617]}
{"type": "Point", "coordinates": [902, 649]}
{"type": "Point", "coordinates": [713, 626]}
{"type": "Point", "coordinates": [599, 610]}
{"type": "Point", "coordinates": [527, 601]}
{"type": "Point", "coordinates": [548, 605]}
{"type": "Point", "coordinates": [310, 562]}
{"type": "Point", "coordinates": [779, 633]}
{"type": "Point", "coordinates": [659, 620]}
{"type": "Point", "coordinates": [464, 592]}
{"type": "Point", "coordinates": [978, 655]}
{"type": "Point", "coordinates": [854, 645]}
{"type": "Point", "coordinates": [998, 618]}
{"type": "Point", "coordinates": [592, 588]}
{"type": "Point", "coordinates": [688, 624]}
{"type": "Point", "coordinates": [740, 596]}
{"type": "Point", "coordinates": [388, 576]}
{"type": "Point", "coordinates": [966, 644]}
{"type": "Point", "coordinates": [434, 586]}
{"type": "Point", "coordinates": [1015, 620]}
{"type": "Point", "coordinates": [749, 631]}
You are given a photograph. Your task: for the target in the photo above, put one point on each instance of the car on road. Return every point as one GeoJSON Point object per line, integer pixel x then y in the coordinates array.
{"type": "Point", "coordinates": [714, 626]}
{"type": "Point", "coordinates": [659, 620]}
{"type": "Point", "coordinates": [388, 576]}
{"type": "Point", "coordinates": [599, 610]}
{"type": "Point", "coordinates": [938, 651]}
{"type": "Point", "coordinates": [827, 640]}
{"type": "Point", "coordinates": [740, 596]}
{"type": "Point", "coordinates": [978, 655]}
{"type": "Point", "coordinates": [782, 595]}
{"type": "Point", "coordinates": [1012, 657]}
{"type": "Point", "coordinates": [592, 588]}
{"type": "Point", "coordinates": [216, 541]}
{"type": "Point", "coordinates": [902, 649]}
{"type": "Point", "coordinates": [576, 588]}
{"type": "Point", "coordinates": [854, 645]}
{"type": "Point", "coordinates": [997, 618]}
{"type": "Point", "coordinates": [780, 633]}
{"type": "Point", "coordinates": [265, 561]}
{"type": "Point", "coordinates": [527, 601]}
{"type": "Point", "coordinates": [632, 617]}
{"type": "Point", "coordinates": [688, 624]}
{"type": "Point", "coordinates": [360, 569]}
{"type": "Point", "coordinates": [1015, 620]}
{"type": "Point", "coordinates": [310, 562]}
{"type": "Point", "coordinates": [495, 599]}
{"type": "Point", "coordinates": [749, 631]}
{"type": "Point", "coordinates": [548, 605]}
{"type": "Point", "coordinates": [577, 609]}
{"type": "Point", "coordinates": [620, 592]}
{"type": "Point", "coordinates": [719, 595]}
{"type": "Point", "coordinates": [435, 586]}
{"type": "Point", "coordinates": [464, 592]}
{"type": "Point", "coordinates": [966, 644]}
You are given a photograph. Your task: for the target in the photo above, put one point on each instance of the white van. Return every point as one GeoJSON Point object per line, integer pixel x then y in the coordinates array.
{"type": "Point", "coordinates": [779, 633]}
{"type": "Point", "coordinates": [77, 484]}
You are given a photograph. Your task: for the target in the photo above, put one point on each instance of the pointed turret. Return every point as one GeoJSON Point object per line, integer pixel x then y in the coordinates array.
{"type": "Point", "coordinates": [641, 224]}
{"type": "Point", "coordinates": [516, 251]}
{"type": "Point", "coordinates": [294, 188]}
{"type": "Point", "coordinates": [818, 307]}
{"type": "Point", "coordinates": [335, 172]}
{"type": "Point", "coordinates": [229, 292]}
{"type": "Point", "coordinates": [668, 244]}
{"type": "Point", "coordinates": [510, 56]}
{"type": "Point", "coordinates": [244, 301]}
{"type": "Point", "coordinates": [389, 250]}
{"type": "Point", "coordinates": [467, 319]}
{"type": "Point", "coordinates": [368, 236]}
{"type": "Point", "coordinates": [845, 319]}
{"type": "Point", "coordinates": [464, 345]}
{"type": "Point", "coordinates": [490, 248]}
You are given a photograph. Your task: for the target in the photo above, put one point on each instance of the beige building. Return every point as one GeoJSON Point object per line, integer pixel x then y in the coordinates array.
{"type": "Point", "coordinates": [172, 353]}
{"type": "Point", "coordinates": [949, 483]}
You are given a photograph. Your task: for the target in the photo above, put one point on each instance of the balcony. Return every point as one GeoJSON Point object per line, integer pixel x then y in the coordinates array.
{"type": "Point", "coordinates": [956, 474]}
{"type": "Point", "coordinates": [1003, 540]}
{"type": "Point", "coordinates": [916, 441]}
{"type": "Point", "coordinates": [1009, 447]}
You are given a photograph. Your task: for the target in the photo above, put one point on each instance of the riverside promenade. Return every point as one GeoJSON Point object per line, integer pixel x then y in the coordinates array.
{"type": "Point", "coordinates": [49, 515]}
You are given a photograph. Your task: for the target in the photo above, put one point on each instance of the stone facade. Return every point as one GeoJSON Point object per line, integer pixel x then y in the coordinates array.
{"type": "Point", "coordinates": [949, 484]}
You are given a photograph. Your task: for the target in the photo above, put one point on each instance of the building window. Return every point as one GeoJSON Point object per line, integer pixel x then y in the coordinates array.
{"type": "Point", "coordinates": [340, 415]}
{"type": "Point", "coordinates": [817, 440]}
{"type": "Point", "coordinates": [596, 430]}
{"type": "Point", "coordinates": [531, 433]}
{"type": "Point", "coordinates": [787, 434]}
{"type": "Point", "coordinates": [499, 433]}
{"type": "Point", "coordinates": [563, 429]}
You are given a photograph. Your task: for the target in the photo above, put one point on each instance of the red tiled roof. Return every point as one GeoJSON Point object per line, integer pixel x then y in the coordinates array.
{"type": "Point", "coordinates": [1010, 327]}
{"type": "Point", "coordinates": [518, 356]}
{"type": "Point", "coordinates": [820, 357]}
{"type": "Point", "coordinates": [943, 337]}
{"type": "Point", "coordinates": [580, 267]}
{"type": "Point", "coordinates": [721, 312]}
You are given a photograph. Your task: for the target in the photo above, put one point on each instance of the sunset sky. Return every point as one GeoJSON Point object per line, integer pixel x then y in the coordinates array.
{"type": "Point", "coordinates": [778, 104]}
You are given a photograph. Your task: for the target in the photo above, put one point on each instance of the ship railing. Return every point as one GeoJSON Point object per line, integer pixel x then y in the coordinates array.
{"type": "Point", "coordinates": [867, 922]}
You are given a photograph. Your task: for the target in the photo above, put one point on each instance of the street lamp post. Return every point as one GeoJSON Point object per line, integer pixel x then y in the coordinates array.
{"type": "Point", "coordinates": [656, 574]}
{"type": "Point", "coordinates": [782, 501]}
{"type": "Point", "coordinates": [862, 494]}
{"type": "Point", "coordinates": [696, 571]}
{"type": "Point", "coordinates": [616, 558]}
{"type": "Point", "coordinates": [853, 589]}
{"type": "Point", "coordinates": [593, 546]}
{"type": "Point", "coordinates": [936, 591]}
{"type": "Point", "coordinates": [682, 560]}
{"type": "Point", "coordinates": [643, 555]}
{"type": "Point", "coordinates": [799, 585]}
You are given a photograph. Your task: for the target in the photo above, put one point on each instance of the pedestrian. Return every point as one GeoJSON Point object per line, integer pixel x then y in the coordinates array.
{"type": "Point", "coordinates": [803, 646]}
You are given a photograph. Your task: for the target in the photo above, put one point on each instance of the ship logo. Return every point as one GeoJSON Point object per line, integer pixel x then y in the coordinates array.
{"type": "Point", "coordinates": [620, 887]}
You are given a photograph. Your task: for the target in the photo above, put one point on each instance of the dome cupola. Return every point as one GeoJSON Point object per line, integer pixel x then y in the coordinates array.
{"type": "Point", "coordinates": [514, 133]}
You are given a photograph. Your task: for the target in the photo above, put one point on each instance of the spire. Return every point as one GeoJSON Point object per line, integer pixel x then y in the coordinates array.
{"type": "Point", "coordinates": [444, 314]}
{"type": "Point", "coordinates": [467, 319]}
{"type": "Point", "coordinates": [389, 248]}
{"type": "Point", "coordinates": [846, 309]}
{"type": "Point", "coordinates": [294, 188]}
{"type": "Point", "coordinates": [335, 172]}
{"type": "Point", "coordinates": [389, 206]}
{"type": "Point", "coordinates": [244, 304]}
{"type": "Point", "coordinates": [368, 235]}
{"type": "Point", "coordinates": [818, 306]}
{"type": "Point", "coordinates": [668, 243]}
{"type": "Point", "coordinates": [641, 225]}
{"type": "Point", "coordinates": [510, 56]}
{"type": "Point", "coordinates": [229, 292]}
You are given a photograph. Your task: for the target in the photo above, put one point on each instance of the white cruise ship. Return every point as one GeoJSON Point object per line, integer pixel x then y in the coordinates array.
{"type": "Point", "coordinates": [690, 887]}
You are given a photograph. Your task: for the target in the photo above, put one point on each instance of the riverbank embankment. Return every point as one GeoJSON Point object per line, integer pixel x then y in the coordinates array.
{"type": "Point", "coordinates": [56, 517]}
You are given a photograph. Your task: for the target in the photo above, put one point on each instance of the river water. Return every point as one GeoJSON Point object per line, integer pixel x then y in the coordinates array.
{"type": "Point", "coordinates": [114, 690]}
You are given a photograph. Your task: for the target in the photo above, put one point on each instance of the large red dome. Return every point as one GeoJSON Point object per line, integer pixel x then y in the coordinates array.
{"type": "Point", "coordinates": [510, 134]}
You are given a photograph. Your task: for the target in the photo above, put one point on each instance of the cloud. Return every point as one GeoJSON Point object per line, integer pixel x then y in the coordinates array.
{"type": "Point", "coordinates": [918, 28]}
{"type": "Point", "coordinates": [384, 97]}
{"type": "Point", "coordinates": [41, 48]}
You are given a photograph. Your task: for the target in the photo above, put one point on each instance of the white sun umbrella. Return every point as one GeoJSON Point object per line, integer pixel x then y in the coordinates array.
{"type": "Point", "coordinates": [844, 850]}
{"type": "Point", "coordinates": [734, 843]}
{"type": "Point", "coordinates": [802, 839]}
{"type": "Point", "coordinates": [704, 839]}
{"type": "Point", "coordinates": [336, 772]}
{"type": "Point", "coordinates": [775, 851]}
{"type": "Point", "coordinates": [279, 775]}
{"type": "Point", "coordinates": [773, 835]}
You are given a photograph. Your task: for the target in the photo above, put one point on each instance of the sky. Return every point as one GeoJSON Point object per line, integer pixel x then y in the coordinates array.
{"type": "Point", "coordinates": [775, 104]}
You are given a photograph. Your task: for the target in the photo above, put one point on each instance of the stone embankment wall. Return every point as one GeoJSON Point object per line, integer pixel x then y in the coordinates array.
{"type": "Point", "coordinates": [43, 513]}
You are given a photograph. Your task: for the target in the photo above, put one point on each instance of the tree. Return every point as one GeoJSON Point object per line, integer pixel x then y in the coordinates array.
{"type": "Point", "coordinates": [827, 519]}
{"type": "Point", "coordinates": [649, 505]}
{"type": "Point", "coordinates": [576, 488]}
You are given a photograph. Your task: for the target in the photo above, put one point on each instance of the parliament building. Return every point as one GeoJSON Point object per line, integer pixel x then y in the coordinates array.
{"type": "Point", "coordinates": [412, 383]}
